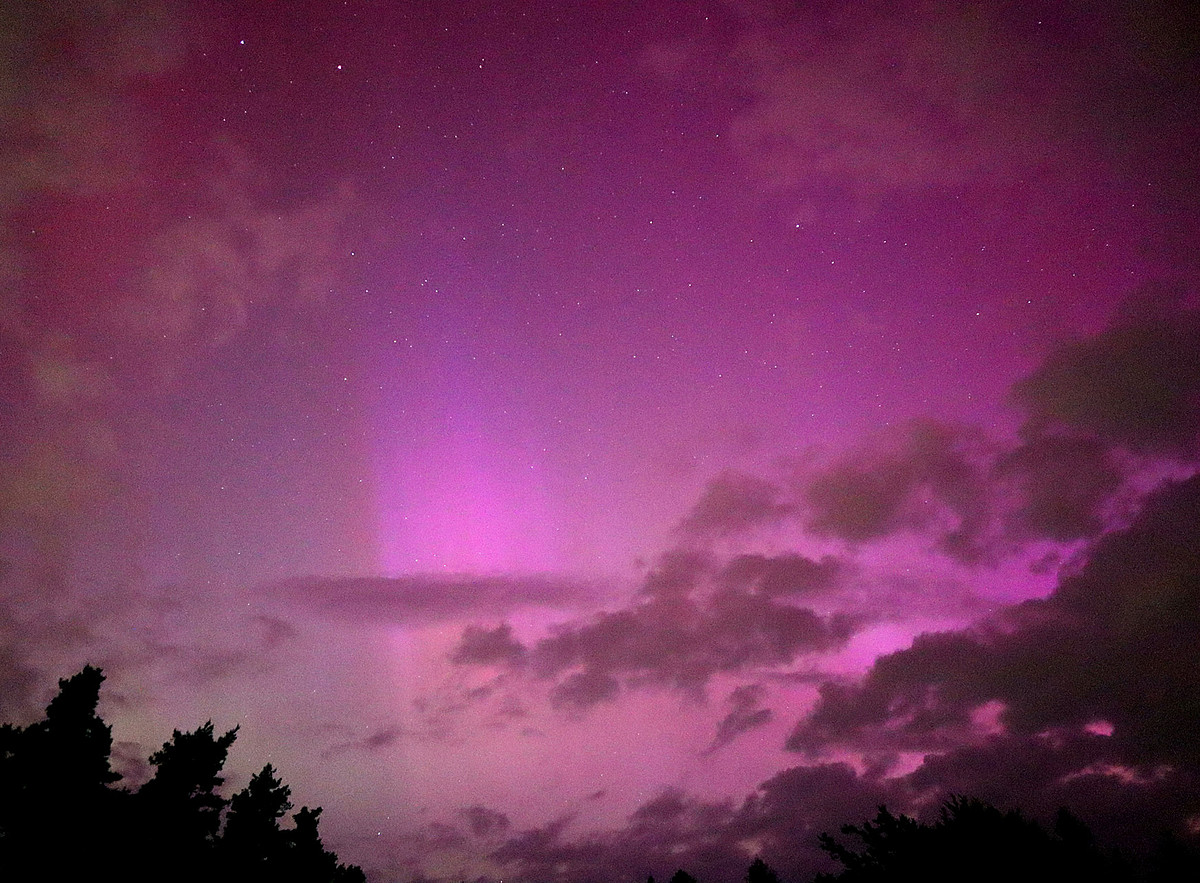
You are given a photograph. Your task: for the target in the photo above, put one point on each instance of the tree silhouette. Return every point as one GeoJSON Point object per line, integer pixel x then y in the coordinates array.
{"type": "Point", "coordinates": [760, 872]}
{"type": "Point", "coordinates": [54, 784]}
{"type": "Point", "coordinates": [61, 818]}
{"type": "Point", "coordinates": [253, 841]}
{"type": "Point", "coordinates": [308, 860]}
{"type": "Point", "coordinates": [77, 742]}
{"type": "Point", "coordinates": [1174, 862]}
{"type": "Point", "coordinates": [971, 840]}
{"type": "Point", "coordinates": [187, 776]}
{"type": "Point", "coordinates": [179, 810]}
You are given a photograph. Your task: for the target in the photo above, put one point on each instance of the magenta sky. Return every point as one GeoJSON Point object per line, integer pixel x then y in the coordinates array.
{"type": "Point", "coordinates": [530, 421]}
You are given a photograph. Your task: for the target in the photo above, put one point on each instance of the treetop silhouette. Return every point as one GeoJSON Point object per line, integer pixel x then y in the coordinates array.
{"type": "Point", "coordinates": [971, 840]}
{"type": "Point", "coordinates": [61, 816]}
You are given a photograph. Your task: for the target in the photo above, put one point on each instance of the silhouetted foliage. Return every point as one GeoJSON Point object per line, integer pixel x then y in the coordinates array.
{"type": "Point", "coordinates": [971, 840]}
{"type": "Point", "coordinates": [682, 876]}
{"type": "Point", "coordinates": [54, 784]}
{"type": "Point", "coordinates": [1174, 862]}
{"type": "Point", "coordinates": [760, 872]}
{"type": "Point", "coordinates": [61, 818]}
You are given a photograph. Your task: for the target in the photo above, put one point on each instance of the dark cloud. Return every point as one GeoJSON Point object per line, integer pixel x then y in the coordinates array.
{"type": "Point", "coordinates": [194, 664]}
{"type": "Point", "coordinates": [78, 88]}
{"type": "Point", "coordinates": [583, 689]}
{"type": "Point", "coordinates": [916, 97]}
{"type": "Point", "coordinates": [682, 643]}
{"type": "Point", "coordinates": [688, 624]}
{"type": "Point", "coordinates": [783, 818]}
{"type": "Point", "coordinates": [1136, 384]}
{"type": "Point", "coordinates": [19, 682]}
{"type": "Point", "coordinates": [203, 275]}
{"type": "Point", "coordinates": [906, 97]}
{"type": "Point", "coordinates": [920, 698]}
{"type": "Point", "coordinates": [787, 813]}
{"type": "Point", "coordinates": [174, 636]}
{"type": "Point", "coordinates": [715, 840]}
{"type": "Point", "coordinates": [746, 713]}
{"type": "Point", "coordinates": [130, 759]}
{"type": "Point", "coordinates": [735, 502]}
{"type": "Point", "coordinates": [485, 822]}
{"type": "Point", "coordinates": [373, 742]}
{"type": "Point", "coordinates": [789, 574]}
{"type": "Point", "coordinates": [1125, 805]}
{"type": "Point", "coordinates": [428, 597]}
{"type": "Point", "coordinates": [1086, 698]}
{"type": "Point", "coordinates": [275, 632]}
{"type": "Point", "coordinates": [480, 646]}
{"type": "Point", "coordinates": [1096, 412]}
{"type": "Point", "coordinates": [677, 573]}
{"type": "Point", "coordinates": [1115, 642]}
{"type": "Point", "coordinates": [144, 640]}
{"type": "Point", "coordinates": [670, 831]}
{"type": "Point", "coordinates": [925, 476]}
{"type": "Point", "coordinates": [111, 314]}
{"type": "Point", "coordinates": [543, 853]}
{"type": "Point", "coordinates": [1063, 486]}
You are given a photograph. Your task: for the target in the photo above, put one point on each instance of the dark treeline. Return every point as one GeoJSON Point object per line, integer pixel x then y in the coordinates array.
{"type": "Point", "coordinates": [974, 841]}
{"type": "Point", "coordinates": [63, 816]}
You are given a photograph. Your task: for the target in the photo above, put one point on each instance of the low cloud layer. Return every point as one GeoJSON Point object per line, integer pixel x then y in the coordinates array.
{"type": "Point", "coordinates": [780, 822]}
{"type": "Point", "coordinates": [431, 597]}
{"type": "Point", "coordinates": [683, 630]}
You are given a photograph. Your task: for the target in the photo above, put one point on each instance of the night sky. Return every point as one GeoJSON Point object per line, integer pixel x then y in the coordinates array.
{"type": "Point", "coordinates": [574, 441]}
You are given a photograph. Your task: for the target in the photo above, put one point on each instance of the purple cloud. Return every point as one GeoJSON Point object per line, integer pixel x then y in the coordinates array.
{"type": "Point", "coordinates": [1136, 384]}
{"type": "Point", "coordinates": [690, 622]}
{"type": "Point", "coordinates": [746, 713]}
{"type": "Point", "coordinates": [1113, 643]}
{"type": "Point", "coordinates": [480, 646]}
{"type": "Point", "coordinates": [735, 502]}
{"type": "Point", "coordinates": [426, 597]}
{"type": "Point", "coordinates": [485, 822]}
{"type": "Point", "coordinates": [777, 576]}
{"type": "Point", "coordinates": [926, 476]}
